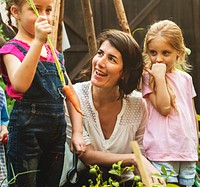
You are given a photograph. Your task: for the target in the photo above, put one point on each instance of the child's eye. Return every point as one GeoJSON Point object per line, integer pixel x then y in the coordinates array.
{"type": "Point", "coordinates": [38, 9]}
{"type": "Point", "coordinates": [49, 11]}
{"type": "Point", "coordinates": [166, 53]}
{"type": "Point", "coordinates": [152, 52]}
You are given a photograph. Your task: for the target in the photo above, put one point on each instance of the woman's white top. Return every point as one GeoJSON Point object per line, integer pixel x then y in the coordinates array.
{"type": "Point", "coordinates": [130, 124]}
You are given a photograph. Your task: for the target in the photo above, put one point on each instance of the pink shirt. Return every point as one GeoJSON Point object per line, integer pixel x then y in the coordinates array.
{"type": "Point", "coordinates": [172, 137]}
{"type": "Point", "coordinates": [12, 49]}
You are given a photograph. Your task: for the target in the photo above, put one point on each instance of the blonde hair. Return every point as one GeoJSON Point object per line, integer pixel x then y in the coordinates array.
{"type": "Point", "coordinates": [173, 34]}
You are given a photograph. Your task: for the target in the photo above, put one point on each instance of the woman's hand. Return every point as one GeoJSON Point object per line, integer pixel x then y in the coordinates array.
{"type": "Point", "coordinates": [152, 170]}
{"type": "Point", "coordinates": [78, 143]}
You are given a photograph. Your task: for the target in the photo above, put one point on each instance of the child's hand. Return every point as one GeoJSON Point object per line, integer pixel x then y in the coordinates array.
{"type": "Point", "coordinates": [42, 29]}
{"type": "Point", "coordinates": [3, 132]}
{"type": "Point", "coordinates": [78, 143]}
{"type": "Point", "coordinates": [157, 70]}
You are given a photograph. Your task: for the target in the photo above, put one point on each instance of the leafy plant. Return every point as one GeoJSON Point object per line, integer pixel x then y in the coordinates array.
{"type": "Point", "coordinates": [164, 171]}
{"type": "Point", "coordinates": [2, 35]}
{"type": "Point", "coordinates": [118, 170]}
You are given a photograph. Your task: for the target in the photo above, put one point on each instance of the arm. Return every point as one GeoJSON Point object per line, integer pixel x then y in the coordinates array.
{"type": "Point", "coordinates": [77, 140]}
{"type": "Point", "coordinates": [140, 132]}
{"type": "Point", "coordinates": [4, 120]}
{"type": "Point", "coordinates": [3, 132]}
{"type": "Point", "coordinates": [21, 74]}
{"type": "Point", "coordinates": [91, 157]}
{"type": "Point", "coordinates": [160, 98]}
{"type": "Point", "coordinates": [196, 118]}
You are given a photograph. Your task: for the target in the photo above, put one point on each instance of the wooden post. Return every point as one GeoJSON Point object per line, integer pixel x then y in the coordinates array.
{"type": "Point", "coordinates": [60, 24]}
{"type": "Point", "coordinates": [89, 27]}
{"type": "Point", "coordinates": [141, 167]}
{"type": "Point", "coordinates": [54, 23]}
{"type": "Point", "coordinates": [121, 16]}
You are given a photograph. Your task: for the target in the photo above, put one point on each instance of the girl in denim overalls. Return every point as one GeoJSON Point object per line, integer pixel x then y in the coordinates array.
{"type": "Point", "coordinates": [37, 129]}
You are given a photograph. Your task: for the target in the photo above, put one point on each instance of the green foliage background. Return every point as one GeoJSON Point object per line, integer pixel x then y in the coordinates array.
{"type": "Point", "coordinates": [10, 101]}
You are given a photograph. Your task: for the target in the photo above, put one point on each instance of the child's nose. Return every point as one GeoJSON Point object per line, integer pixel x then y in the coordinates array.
{"type": "Point", "coordinates": [43, 13]}
{"type": "Point", "coordinates": [159, 59]}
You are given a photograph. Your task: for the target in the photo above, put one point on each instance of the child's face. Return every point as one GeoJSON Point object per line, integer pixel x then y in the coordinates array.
{"type": "Point", "coordinates": [26, 17]}
{"type": "Point", "coordinates": [160, 51]}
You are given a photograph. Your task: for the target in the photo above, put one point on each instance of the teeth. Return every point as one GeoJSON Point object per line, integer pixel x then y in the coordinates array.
{"type": "Point", "coordinates": [98, 73]}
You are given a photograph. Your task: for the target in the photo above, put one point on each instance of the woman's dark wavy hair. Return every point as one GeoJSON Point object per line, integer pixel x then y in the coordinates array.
{"type": "Point", "coordinates": [131, 56]}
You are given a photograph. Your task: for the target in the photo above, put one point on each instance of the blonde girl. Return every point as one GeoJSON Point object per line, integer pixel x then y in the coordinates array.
{"type": "Point", "coordinates": [170, 138]}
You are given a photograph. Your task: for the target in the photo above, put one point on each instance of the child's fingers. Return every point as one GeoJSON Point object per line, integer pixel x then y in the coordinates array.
{"type": "Point", "coordinates": [3, 135]}
{"type": "Point", "coordinates": [148, 70]}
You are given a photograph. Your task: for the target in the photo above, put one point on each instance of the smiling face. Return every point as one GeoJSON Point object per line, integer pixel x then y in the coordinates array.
{"type": "Point", "coordinates": [160, 51]}
{"type": "Point", "coordinates": [107, 66]}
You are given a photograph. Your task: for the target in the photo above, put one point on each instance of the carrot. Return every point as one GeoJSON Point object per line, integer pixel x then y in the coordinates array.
{"type": "Point", "coordinates": [72, 98]}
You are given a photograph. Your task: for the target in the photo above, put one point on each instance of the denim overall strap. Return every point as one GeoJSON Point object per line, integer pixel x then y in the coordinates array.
{"type": "Point", "coordinates": [46, 86]}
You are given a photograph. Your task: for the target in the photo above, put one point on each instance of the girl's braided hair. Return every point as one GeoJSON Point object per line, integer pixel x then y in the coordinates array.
{"type": "Point", "coordinates": [9, 4]}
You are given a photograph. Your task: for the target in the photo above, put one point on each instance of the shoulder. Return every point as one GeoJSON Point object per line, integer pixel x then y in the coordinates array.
{"type": "Point", "coordinates": [136, 93]}
{"type": "Point", "coordinates": [135, 109]}
{"type": "Point", "coordinates": [183, 75]}
{"type": "Point", "coordinates": [6, 48]}
{"type": "Point", "coordinates": [14, 47]}
{"type": "Point", "coordinates": [135, 100]}
{"type": "Point", "coordinates": [82, 87]}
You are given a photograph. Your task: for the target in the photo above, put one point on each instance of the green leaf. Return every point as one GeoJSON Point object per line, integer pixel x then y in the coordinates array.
{"type": "Point", "coordinates": [172, 185]}
{"type": "Point", "coordinates": [115, 183]}
{"type": "Point", "coordinates": [198, 117]}
{"type": "Point", "coordinates": [157, 185]}
{"type": "Point", "coordinates": [114, 172]}
{"type": "Point", "coordinates": [128, 168]}
{"type": "Point", "coordinates": [163, 170]}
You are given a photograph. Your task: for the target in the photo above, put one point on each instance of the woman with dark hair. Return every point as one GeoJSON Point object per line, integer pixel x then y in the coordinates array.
{"type": "Point", "coordinates": [113, 116]}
